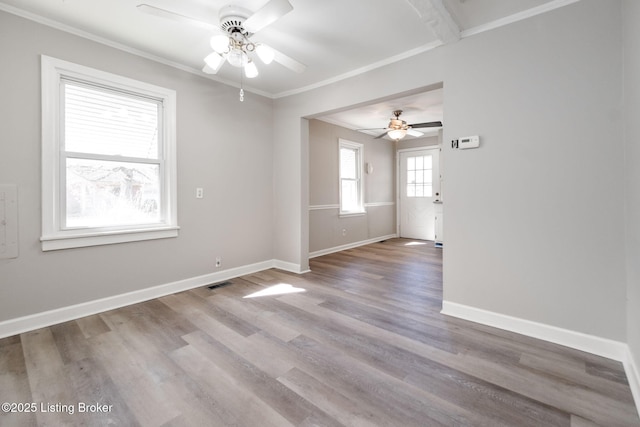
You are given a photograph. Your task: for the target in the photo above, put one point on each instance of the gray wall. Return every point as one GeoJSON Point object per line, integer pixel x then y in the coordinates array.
{"type": "Point", "coordinates": [426, 141]}
{"type": "Point", "coordinates": [631, 14]}
{"type": "Point", "coordinates": [326, 228]}
{"type": "Point", "coordinates": [534, 218]}
{"type": "Point", "coordinates": [233, 221]}
{"type": "Point", "coordinates": [534, 222]}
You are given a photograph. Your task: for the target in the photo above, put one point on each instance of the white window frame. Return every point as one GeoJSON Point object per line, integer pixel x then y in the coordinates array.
{"type": "Point", "coordinates": [54, 236]}
{"type": "Point", "coordinates": [359, 149]}
{"type": "Point", "coordinates": [423, 183]}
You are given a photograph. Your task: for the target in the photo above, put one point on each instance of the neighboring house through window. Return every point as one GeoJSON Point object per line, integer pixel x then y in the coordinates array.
{"type": "Point", "coordinates": [351, 190]}
{"type": "Point", "coordinates": [109, 158]}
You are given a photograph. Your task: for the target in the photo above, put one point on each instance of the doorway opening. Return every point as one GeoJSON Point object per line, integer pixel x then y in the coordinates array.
{"type": "Point", "coordinates": [330, 229]}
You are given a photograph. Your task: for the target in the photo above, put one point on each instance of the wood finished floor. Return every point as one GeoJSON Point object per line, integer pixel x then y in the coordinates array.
{"type": "Point", "coordinates": [363, 345]}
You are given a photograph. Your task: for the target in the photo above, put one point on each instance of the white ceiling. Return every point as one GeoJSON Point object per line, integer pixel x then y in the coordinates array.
{"type": "Point", "coordinates": [333, 38]}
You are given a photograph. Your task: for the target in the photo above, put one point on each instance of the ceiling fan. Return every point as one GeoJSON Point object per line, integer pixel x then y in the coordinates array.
{"type": "Point", "coordinates": [398, 129]}
{"type": "Point", "coordinates": [232, 37]}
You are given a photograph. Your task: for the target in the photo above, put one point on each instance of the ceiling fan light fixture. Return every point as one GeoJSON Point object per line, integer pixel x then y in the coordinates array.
{"type": "Point", "coordinates": [237, 58]}
{"type": "Point", "coordinates": [214, 60]}
{"type": "Point", "coordinates": [232, 40]}
{"type": "Point", "coordinates": [250, 70]}
{"type": "Point", "coordinates": [265, 53]}
{"type": "Point", "coordinates": [220, 43]}
{"type": "Point", "coordinates": [396, 124]}
{"type": "Point", "coordinates": [397, 134]}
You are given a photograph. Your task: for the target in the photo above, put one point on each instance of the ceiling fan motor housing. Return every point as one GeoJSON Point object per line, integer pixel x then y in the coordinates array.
{"type": "Point", "coordinates": [397, 124]}
{"type": "Point", "coordinates": [232, 19]}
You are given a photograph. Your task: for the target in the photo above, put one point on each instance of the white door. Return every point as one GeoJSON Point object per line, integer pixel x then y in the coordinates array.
{"type": "Point", "coordinates": [419, 183]}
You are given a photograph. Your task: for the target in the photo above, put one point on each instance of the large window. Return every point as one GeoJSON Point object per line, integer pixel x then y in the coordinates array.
{"type": "Point", "coordinates": [108, 158]}
{"type": "Point", "coordinates": [351, 192]}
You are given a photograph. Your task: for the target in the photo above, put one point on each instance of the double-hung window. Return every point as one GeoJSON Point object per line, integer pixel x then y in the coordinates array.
{"type": "Point", "coordinates": [351, 189]}
{"type": "Point", "coordinates": [108, 146]}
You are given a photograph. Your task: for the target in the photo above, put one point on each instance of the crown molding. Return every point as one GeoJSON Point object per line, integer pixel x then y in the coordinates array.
{"type": "Point", "coordinates": [525, 14]}
{"type": "Point", "coordinates": [122, 47]}
{"type": "Point", "coordinates": [361, 70]}
{"type": "Point", "coordinates": [529, 13]}
{"type": "Point", "coordinates": [547, 7]}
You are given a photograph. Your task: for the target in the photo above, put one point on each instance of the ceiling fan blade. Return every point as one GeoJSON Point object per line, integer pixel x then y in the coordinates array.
{"type": "Point", "coordinates": [167, 14]}
{"type": "Point", "coordinates": [427, 125]}
{"type": "Point", "coordinates": [382, 134]}
{"type": "Point", "coordinates": [269, 13]}
{"type": "Point", "coordinates": [288, 62]}
{"type": "Point", "coordinates": [414, 132]}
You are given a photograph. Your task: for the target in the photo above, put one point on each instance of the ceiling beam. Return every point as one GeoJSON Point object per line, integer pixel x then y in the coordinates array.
{"type": "Point", "coordinates": [438, 19]}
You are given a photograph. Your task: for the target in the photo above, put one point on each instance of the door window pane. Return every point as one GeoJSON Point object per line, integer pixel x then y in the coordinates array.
{"type": "Point", "coordinates": [411, 163]}
{"type": "Point", "coordinates": [428, 162]}
{"type": "Point", "coordinates": [420, 176]}
{"type": "Point", "coordinates": [428, 177]}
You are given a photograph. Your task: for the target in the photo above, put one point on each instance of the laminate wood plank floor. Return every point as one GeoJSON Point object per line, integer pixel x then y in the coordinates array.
{"type": "Point", "coordinates": [358, 341]}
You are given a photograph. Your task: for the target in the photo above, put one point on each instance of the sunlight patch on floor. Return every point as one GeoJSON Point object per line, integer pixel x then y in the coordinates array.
{"type": "Point", "coordinates": [415, 243]}
{"type": "Point", "coordinates": [279, 289]}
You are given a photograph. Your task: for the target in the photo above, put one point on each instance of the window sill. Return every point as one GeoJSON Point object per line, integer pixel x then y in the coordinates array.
{"type": "Point", "coordinates": [81, 240]}
{"type": "Point", "coordinates": [355, 213]}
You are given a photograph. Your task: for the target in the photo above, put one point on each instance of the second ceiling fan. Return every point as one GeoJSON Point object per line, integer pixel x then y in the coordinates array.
{"type": "Point", "coordinates": [398, 128]}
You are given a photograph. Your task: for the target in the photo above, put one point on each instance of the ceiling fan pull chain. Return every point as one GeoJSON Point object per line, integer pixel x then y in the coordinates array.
{"type": "Point", "coordinates": [241, 89]}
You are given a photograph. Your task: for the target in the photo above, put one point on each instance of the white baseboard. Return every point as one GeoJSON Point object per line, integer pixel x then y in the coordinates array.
{"type": "Point", "coordinates": [610, 349]}
{"type": "Point", "coordinates": [615, 350]}
{"type": "Point", "coordinates": [289, 266]}
{"type": "Point", "coordinates": [47, 318]}
{"type": "Point", "coordinates": [350, 245]}
{"type": "Point", "coordinates": [633, 376]}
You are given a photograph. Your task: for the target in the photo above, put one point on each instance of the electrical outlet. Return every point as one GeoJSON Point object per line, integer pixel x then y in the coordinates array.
{"type": "Point", "coordinates": [344, 231]}
{"type": "Point", "coordinates": [199, 193]}
{"type": "Point", "coordinates": [218, 262]}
